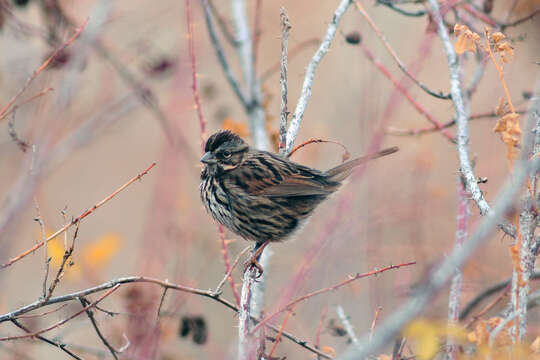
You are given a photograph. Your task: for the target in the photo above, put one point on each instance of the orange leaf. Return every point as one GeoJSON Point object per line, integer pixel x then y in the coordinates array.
{"type": "Point", "coordinates": [100, 252]}
{"type": "Point", "coordinates": [329, 350]}
{"type": "Point", "coordinates": [236, 127]}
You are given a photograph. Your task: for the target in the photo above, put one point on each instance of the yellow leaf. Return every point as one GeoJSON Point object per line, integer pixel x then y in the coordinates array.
{"type": "Point", "coordinates": [100, 252]}
{"type": "Point", "coordinates": [384, 357]}
{"type": "Point", "coordinates": [427, 335]}
{"type": "Point", "coordinates": [56, 251]}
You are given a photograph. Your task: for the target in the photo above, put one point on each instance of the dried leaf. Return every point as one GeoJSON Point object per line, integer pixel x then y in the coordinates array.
{"type": "Point", "coordinates": [502, 107]}
{"type": "Point", "coordinates": [328, 350]}
{"type": "Point", "coordinates": [496, 37]}
{"type": "Point", "coordinates": [466, 40]}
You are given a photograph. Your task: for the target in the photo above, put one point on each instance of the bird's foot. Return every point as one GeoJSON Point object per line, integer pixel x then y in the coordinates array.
{"type": "Point", "coordinates": [253, 263]}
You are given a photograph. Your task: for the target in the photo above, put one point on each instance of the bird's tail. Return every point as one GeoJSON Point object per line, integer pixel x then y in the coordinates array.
{"type": "Point", "coordinates": [340, 172]}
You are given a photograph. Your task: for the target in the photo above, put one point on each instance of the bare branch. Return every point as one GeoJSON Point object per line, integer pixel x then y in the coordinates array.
{"type": "Point", "coordinates": [196, 98]}
{"type": "Point", "coordinates": [331, 288]}
{"type": "Point", "coordinates": [294, 126]}
{"type": "Point", "coordinates": [90, 314]}
{"type": "Point", "coordinates": [400, 64]}
{"type": "Point", "coordinates": [5, 109]}
{"type": "Point", "coordinates": [284, 113]}
{"type": "Point", "coordinates": [62, 322]}
{"type": "Point", "coordinates": [77, 219]}
{"type": "Point", "coordinates": [141, 279]}
{"type": "Point", "coordinates": [44, 339]}
{"type": "Point", "coordinates": [233, 82]}
{"type": "Point", "coordinates": [347, 324]}
{"type": "Point", "coordinates": [454, 298]}
{"type": "Point", "coordinates": [443, 273]}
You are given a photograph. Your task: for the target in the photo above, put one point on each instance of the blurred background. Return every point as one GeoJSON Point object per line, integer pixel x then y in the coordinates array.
{"type": "Point", "coordinates": [122, 99]}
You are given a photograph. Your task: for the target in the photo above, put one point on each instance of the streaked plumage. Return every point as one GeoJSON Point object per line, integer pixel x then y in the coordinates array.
{"type": "Point", "coordinates": [262, 196]}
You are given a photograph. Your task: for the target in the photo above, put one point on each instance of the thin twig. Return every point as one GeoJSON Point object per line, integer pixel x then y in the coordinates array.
{"type": "Point", "coordinates": [45, 313]}
{"type": "Point", "coordinates": [67, 254]}
{"type": "Point", "coordinates": [284, 112]}
{"type": "Point", "coordinates": [223, 25]}
{"type": "Point", "coordinates": [44, 339]}
{"type": "Point", "coordinates": [196, 98]}
{"type": "Point", "coordinates": [331, 288]}
{"type": "Point", "coordinates": [399, 87]}
{"type": "Point", "coordinates": [484, 294]}
{"type": "Point", "coordinates": [62, 322]}
{"type": "Point", "coordinates": [228, 276]}
{"type": "Point", "coordinates": [400, 64]}
{"type": "Point", "coordinates": [161, 301]}
{"type": "Point", "coordinates": [77, 219]}
{"type": "Point", "coordinates": [23, 145]}
{"type": "Point", "coordinates": [46, 63]}
{"type": "Point", "coordinates": [257, 32]}
{"type": "Point", "coordinates": [307, 85]}
{"type": "Point", "coordinates": [291, 55]}
{"type": "Point", "coordinates": [231, 78]}
{"type": "Point", "coordinates": [319, 329]}
{"type": "Point", "coordinates": [389, 4]}
{"type": "Point", "coordinates": [141, 279]}
{"type": "Point", "coordinates": [45, 249]}
{"type": "Point", "coordinates": [281, 329]}
{"type": "Point", "coordinates": [374, 322]}
{"type": "Point", "coordinates": [90, 315]}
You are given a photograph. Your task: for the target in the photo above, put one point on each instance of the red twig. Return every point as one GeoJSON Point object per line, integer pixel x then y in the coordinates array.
{"type": "Point", "coordinates": [196, 98]}
{"type": "Point", "coordinates": [328, 289]}
{"type": "Point", "coordinates": [399, 87]}
{"type": "Point", "coordinates": [228, 269]}
{"type": "Point", "coordinates": [43, 313]}
{"type": "Point", "coordinates": [346, 153]}
{"type": "Point", "coordinates": [479, 15]}
{"type": "Point", "coordinates": [390, 50]}
{"type": "Point", "coordinates": [489, 306]}
{"type": "Point", "coordinates": [278, 336]}
{"type": "Point", "coordinates": [62, 322]}
{"type": "Point", "coordinates": [374, 322]}
{"type": "Point", "coordinates": [319, 328]}
{"type": "Point", "coordinates": [257, 31]}
{"type": "Point", "coordinates": [40, 69]}
{"type": "Point", "coordinates": [77, 219]}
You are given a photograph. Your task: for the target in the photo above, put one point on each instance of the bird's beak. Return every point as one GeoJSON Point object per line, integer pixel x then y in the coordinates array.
{"type": "Point", "coordinates": [208, 158]}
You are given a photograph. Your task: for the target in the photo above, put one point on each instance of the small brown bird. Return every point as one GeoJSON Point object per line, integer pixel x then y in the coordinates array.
{"type": "Point", "coordinates": [262, 196]}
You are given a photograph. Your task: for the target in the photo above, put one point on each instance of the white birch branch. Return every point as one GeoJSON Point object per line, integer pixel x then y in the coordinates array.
{"type": "Point", "coordinates": [294, 126]}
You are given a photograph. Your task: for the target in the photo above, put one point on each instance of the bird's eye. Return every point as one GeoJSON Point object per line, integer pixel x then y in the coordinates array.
{"type": "Point", "coordinates": [226, 154]}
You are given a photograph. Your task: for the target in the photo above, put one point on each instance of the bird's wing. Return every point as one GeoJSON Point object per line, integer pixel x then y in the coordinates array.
{"type": "Point", "coordinates": [281, 178]}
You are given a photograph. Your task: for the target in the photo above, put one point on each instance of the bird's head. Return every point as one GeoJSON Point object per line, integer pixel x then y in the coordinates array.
{"type": "Point", "coordinates": [224, 151]}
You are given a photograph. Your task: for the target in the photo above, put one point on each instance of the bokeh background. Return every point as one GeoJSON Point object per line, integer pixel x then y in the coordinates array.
{"type": "Point", "coordinates": [93, 133]}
